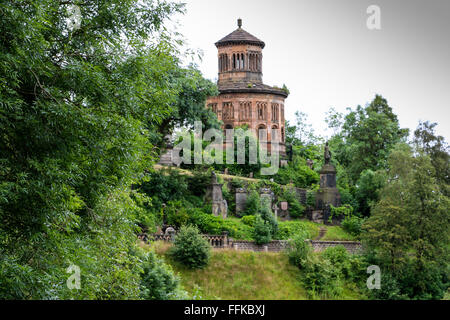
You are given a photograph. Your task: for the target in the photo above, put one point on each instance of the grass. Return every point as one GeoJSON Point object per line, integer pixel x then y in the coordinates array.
{"type": "Point", "coordinates": [244, 275]}
{"type": "Point", "coordinates": [337, 233]}
{"type": "Point", "coordinates": [287, 229]}
{"type": "Point", "coordinates": [240, 275]}
{"type": "Point", "coordinates": [334, 233]}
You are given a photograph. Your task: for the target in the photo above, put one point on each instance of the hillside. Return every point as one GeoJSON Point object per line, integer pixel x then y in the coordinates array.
{"type": "Point", "coordinates": [244, 275]}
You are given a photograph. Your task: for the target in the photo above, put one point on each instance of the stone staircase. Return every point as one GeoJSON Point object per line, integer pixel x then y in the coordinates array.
{"type": "Point", "coordinates": [322, 232]}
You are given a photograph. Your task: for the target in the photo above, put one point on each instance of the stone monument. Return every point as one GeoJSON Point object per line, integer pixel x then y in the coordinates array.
{"type": "Point", "coordinates": [327, 193]}
{"type": "Point", "coordinates": [214, 195]}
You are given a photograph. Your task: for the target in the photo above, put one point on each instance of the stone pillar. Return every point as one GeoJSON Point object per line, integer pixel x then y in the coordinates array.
{"type": "Point", "coordinates": [225, 239]}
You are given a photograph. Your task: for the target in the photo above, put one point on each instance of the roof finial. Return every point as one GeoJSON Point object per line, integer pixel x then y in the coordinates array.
{"type": "Point", "coordinates": [239, 23]}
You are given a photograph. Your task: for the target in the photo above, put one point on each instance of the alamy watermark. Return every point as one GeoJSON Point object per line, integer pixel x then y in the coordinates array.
{"type": "Point", "coordinates": [374, 280]}
{"type": "Point", "coordinates": [74, 17]}
{"type": "Point", "coordinates": [374, 20]}
{"type": "Point", "coordinates": [74, 280]}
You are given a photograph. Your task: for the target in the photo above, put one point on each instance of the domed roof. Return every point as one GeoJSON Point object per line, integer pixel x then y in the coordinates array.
{"type": "Point", "coordinates": [240, 36]}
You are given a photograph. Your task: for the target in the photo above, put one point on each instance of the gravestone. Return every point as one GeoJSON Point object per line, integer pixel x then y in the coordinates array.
{"type": "Point", "coordinates": [283, 213]}
{"type": "Point", "coordinates": [241, 199]}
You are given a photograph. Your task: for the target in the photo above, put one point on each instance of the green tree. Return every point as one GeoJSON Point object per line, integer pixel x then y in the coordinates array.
{"type": "Point", "coordinates": [367, 136]}
{"type": "Point", "coordinates": [426, 140]}
{"type": "Point", "coordinates": [75, 106]}
{"type": "Point", "coordinates": [408, 232]}
{"type": "Point", "coordinates": [188, 106]}
{"type": "Point", "coordinates": [367, 192]}
{"type": "Point", "coordinates": [301, 133]}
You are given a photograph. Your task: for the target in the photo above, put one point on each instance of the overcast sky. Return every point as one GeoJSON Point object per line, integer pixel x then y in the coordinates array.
{"type": "Point", "coordinates": [325, 54]}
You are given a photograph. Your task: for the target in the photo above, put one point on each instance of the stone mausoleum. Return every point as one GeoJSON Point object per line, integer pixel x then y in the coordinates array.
{"type": "Point", "coordinates": [243, 97]}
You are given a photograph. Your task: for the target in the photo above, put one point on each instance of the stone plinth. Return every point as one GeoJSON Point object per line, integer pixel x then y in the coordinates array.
{"type": "Point", "coordinates": [327, 193]}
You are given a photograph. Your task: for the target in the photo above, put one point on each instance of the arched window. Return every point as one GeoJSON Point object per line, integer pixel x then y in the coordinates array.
{"type": "Point", "coordinates": [234, 61]}
{"type": "Point", "coordinates": [242, 61]}
{"type": "Point", "coordinates": [274, 133]}
{"type": "Point", "coordinates": [262, 132]}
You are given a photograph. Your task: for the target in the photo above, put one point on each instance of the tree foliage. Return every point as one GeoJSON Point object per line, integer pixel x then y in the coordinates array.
{"type": "Point", "coordinates": [76, 108]}
{"type": "Point", "coordinates": [366, 137]}
{"type": "Point", "coordinates": [190, 248]}
{"type": "Point", "coordinates": [408, 232]}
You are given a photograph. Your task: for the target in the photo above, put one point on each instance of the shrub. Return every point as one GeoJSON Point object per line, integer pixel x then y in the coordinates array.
{"type": "Point", "coordinates": [269, 218]}
{"type": "Point", "coordinates": [337, 255]}
{"type": "Point", "coordinates": [342, 211]}
{"type": "Point", "coordinates": [299, 250]}
{"type": "Point", "coordinates": [389, 289]}
{"type": "Point", "coordinates": [352, 267]}
{"type": "Point", "coordinates": [164, 186]}
{"type": "Point", "coordinates": [253, 203]}
{"type": "Point", "coordinates": [248, 220]}
{"type": "Point", "coordinates": [176, 212]}
{"type": "Point", "coordinates": [208, 223]}
{"type": "Point", "coordinates": [352, 225]}
{"type": "Point", "coordinates": [190, 248]}
{"type": "Point", "coordinates": [296, 209]}
{"type": "Point", "coordinates": [158, 282]}
{"type": "Point", "coordinates": [198, 182]}
{"type": "Point", "coordinates": [357, 270]}
{"type": "Point", "coordinates": [262, 231]}
{"type": "Point", "coordinates": [321, 278]}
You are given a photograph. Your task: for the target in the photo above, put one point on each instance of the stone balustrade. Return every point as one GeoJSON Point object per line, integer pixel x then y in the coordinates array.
{"type": "Point", "coordinates": [223, 241]}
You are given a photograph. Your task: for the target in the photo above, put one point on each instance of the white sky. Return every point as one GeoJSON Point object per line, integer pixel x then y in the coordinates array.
{"type": "Point", "coordinates": [327, 57]}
